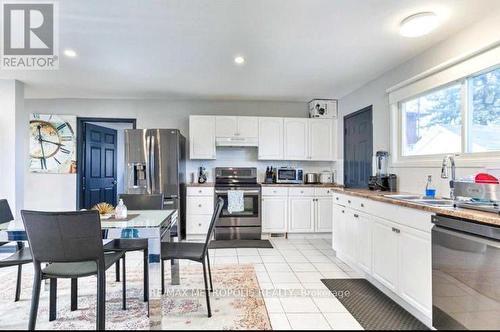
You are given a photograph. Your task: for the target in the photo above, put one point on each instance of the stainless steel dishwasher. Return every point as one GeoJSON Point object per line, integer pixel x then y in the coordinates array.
{"type": "Point", "coordinates": [465, 274]}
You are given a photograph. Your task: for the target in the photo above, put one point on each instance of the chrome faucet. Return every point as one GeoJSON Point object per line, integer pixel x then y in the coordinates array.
{"type": "Point", "coordinates": [445, 175]}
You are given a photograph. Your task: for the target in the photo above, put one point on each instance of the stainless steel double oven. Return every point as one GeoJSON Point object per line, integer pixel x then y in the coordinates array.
{"type": "Point", "coordinates": [244, 225]}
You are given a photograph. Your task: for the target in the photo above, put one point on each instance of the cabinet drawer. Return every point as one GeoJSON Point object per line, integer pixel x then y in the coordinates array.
{"type": "Point", "coordinates": [200, 191]}
{"type": "Point", "coordinates": [197, 224]}
{"type": "Point", "coordinates": [323, 191]}
{"type": "Point", "coordinates": [274, 191]}
{"type": "Point", "coordinates": [305, 191]}
{"type": "Point", "coordinates": [200, 205]}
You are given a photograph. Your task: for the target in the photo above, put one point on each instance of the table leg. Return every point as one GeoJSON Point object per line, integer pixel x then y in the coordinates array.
{"type": "Point", "coordinates": [155, 296]}
{"type": "Point", "coordinates": [174, 269]}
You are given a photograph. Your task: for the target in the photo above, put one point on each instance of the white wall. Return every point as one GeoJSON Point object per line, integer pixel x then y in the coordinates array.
{"type": "Point", "coordinates": [13, 143]}
{"type": "Point", "coordinates": [153, 114]}
{"type": "Point", "coordinates": [374, 93]}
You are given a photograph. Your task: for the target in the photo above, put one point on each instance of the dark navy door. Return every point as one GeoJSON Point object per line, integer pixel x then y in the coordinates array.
{"type": "Point", "coordinates": [99, 181]}
{"type": "Point", "coordinates": [358, 148]}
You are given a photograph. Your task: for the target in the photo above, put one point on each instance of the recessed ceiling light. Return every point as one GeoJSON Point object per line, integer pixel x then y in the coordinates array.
{"type": "Point", "coordinates": [239, 60]}
{"type": "Point", "coordinates": [419, 24]}
{"type": "Point", "coordinates": [70, 53]}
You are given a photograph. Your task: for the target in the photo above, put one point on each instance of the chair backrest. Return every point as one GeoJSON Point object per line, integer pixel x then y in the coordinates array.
{"type": "Point", "coordinates": [215, 217]}
{"type": "Point", "coordinates": [5, 212]}
{"type": "Point", "coordinates": [64, 236]}
{"type": "Point", "coordinates": [143, 201]}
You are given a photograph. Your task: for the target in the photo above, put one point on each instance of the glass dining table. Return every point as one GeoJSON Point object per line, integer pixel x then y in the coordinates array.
{"type": "Point", "coordinates": [154, 225]}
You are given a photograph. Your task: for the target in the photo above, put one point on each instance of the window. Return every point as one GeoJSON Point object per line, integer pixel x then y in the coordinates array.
{"type": "Point", "coordinates": [431, 123]}
{"type": "Point", "coordinates": [484, 128]}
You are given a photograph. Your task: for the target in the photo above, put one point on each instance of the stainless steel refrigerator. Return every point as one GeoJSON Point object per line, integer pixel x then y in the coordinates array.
{"type": "Point", "coordinates": [155, 160]}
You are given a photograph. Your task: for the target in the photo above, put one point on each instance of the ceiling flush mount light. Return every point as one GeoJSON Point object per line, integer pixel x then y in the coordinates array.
{"type": "Point", "coordinates": [419, 24]}
{"type": "Point", "coordinates": [70, 53]}
{"type": "Point", "coordinates": [239, 60]}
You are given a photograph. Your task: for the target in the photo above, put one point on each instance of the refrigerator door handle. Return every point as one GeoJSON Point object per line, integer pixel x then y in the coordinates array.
{"type": "Point", "coordinates": [148, 163]}
{"type": "Point", "coordinates": [153, 164]}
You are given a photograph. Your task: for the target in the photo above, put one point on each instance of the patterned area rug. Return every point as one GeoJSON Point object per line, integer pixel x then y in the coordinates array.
{"type": "Point", "coordinates": [236, 302]}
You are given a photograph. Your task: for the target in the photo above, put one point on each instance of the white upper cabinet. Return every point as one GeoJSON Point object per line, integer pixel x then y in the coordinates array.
{"type": "Point", "coordinates": [321, 139]}
{"type": "Point", "coordinates": [296, 139]}
{"type": "Point", "coordinates": [201, 137]}
{"type": "Point", "coordinates": [270, 138]}
{"type": "Point", "coordinates": [226, 126]}
{"type": "Point", "coordinates": [248, 126]}
{"type": "Point", "coordinates": [236, 126]}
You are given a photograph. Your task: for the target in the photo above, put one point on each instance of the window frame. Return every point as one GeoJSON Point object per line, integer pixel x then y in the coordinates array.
{"type": "Point", "coordinates": [467, 158]}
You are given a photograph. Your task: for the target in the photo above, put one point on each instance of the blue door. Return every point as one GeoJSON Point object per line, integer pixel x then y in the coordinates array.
{"type": "Point", "coordinates": [99, 181]}
{"type": "Point", "coordinates": [358, 148]}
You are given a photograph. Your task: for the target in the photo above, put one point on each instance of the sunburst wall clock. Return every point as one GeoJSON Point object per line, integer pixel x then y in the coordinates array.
{"type": "Point", "coordinates": [52, 143]}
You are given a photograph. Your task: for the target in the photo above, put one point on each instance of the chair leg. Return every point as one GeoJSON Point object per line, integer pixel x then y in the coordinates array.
{"type": "Point", "coordinates": [53, 299]}
{"type": "Point", "coordinates": [35, 298]}
{"type": "Point", "coordinates": [74, 294]}
{"type": "Point", "coordinates": [162, 276]}
{"type": "Point", "coordinates": [124, 285]}
{"type": "Point", "coordinates": [117, 271]}
{"type": "Point", "coordinates": [206, 289]}
{"type": "Point", "coordinates": [210, 274]}
{"type": "Point", "coordinates": [18, 284]}
{"type": "Point", "coordinates": [146, 275]}
{"type": "Point", "coordinates": [101, 299]}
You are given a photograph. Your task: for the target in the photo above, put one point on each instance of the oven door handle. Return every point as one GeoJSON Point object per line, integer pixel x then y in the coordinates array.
{"type": "Point", "coordinates": [244, 192]}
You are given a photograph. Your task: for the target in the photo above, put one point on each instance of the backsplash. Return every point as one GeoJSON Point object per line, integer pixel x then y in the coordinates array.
{"type": "Point", "coordinates": [247, 157]}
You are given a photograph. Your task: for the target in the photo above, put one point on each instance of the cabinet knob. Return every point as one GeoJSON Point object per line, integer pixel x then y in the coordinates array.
{"type": "Point", "coordinates": [199, 191]}
{"type": "Point", "coordinates": [302, 191]}
{"type": "Point", "coordinates": [275, 191]}
{"type": "Point", "coordinates": [199, 205]}
{"type": "Point", "coordinates": [337, 198]}
{"type": "Point", "coordinates": [199, 224]}
{"type": "Point", "coordinates": [349, 202]}
{"type": "Point", "coordinates": [395, 230]}
{"type": "Point", "coordinates": [356, 216]}
{"type": "Point", "coordinates": [362, 205]}
{"type": "Point", "coordinates": [343, 211]}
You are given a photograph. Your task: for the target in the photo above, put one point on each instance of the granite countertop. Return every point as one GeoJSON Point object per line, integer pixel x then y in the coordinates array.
{"type": "Point", "coordinates": [478, 216]}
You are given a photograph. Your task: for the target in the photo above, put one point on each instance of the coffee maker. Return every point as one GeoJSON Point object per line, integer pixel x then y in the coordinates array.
{"type": "Point", "coordinates": [382, 181]}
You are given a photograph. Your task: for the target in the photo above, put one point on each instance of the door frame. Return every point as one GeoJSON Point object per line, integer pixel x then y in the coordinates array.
{"type": "Point", "coordinates": [348, 116]}
{"type": "Point", "coordinates": [80, 149]}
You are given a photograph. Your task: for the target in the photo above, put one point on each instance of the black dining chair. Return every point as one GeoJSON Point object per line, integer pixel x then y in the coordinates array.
{"type": "Point", "coordinates": [136, 202]}
{"type": "Point", "coordinates": [193, 251]}
{"type": "Point", "coordinates": [71, 244]}
{"type": "Point", "coordinates": [21, 256]}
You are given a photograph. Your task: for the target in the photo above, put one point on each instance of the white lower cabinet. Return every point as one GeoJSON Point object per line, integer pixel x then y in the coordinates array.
{"type": "Point", "coordinates": [363, 242]}
{"type": "Point", "coordinates": [274, 214]}
{"type": "Point", "coordinates": [199, 210]}
{"type": "Point", "coordinates": [324, 214]}
{"type": "Point", "coordinates": [385, 254]}
{"type": "Point", "coordinates": [415, 267]}
{"type": "Point", "coordinates": [392, 252]}
{"type": "Point", "coordinates": [301, 214]}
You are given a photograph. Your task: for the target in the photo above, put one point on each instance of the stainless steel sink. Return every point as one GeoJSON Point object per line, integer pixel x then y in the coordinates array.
{"type": "Point", "coordinates": [435, 202]}
{"type": "Point", "coordinates": [438, 202]}
{"type": "Point", "coordinates": [404, 197]}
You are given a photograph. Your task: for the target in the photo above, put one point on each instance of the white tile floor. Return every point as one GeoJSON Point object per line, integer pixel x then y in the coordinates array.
{"type": "Point", "coordinates": [289, 276]}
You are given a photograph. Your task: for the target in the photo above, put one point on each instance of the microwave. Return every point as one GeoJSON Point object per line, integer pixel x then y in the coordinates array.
{"type": "Point", "coordinates": [289, 175]}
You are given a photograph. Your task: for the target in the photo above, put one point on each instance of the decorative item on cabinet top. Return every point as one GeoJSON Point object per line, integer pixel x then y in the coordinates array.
{"type": "Point", "coordinates": [52, 143]}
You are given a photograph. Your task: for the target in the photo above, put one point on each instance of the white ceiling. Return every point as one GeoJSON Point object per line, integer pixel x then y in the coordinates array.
{"type": "Point", "coordinates": [295, 49]}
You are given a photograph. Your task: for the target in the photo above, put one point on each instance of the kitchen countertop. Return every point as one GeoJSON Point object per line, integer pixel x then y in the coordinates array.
{"type": "Point", "coordinates": [478, 216]}
{"type": "Point", "coordinates": [196, 184]}
{"type": "Point", "coordinates": [320, 185]}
